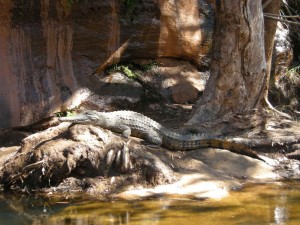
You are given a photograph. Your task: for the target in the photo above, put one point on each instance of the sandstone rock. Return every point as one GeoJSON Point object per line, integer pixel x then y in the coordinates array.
{"type": "Point", "coordinates": [285, 82]}
{"type": "Point", "coordinates": [49, 49]}
{"type": "Point", "coordinates": [283, 50]}
{"type": "Point", "coordinates": [116, 87]}
{"type": "Point", "coordinates": [184, 92]}
{"type": "Point", "coordinates": [176, 80]}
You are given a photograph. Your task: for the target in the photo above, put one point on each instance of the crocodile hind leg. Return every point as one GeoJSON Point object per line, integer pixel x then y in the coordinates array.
{"type": "Point", "coordinates": [154, 138]}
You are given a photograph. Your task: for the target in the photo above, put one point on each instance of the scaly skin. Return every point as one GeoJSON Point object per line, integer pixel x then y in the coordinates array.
{"type": "Point", "coordinates": [135, 124]}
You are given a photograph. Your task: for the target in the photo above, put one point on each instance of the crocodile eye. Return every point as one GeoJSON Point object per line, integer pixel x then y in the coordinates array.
{"type": "Point", "coordinates": [93, 118]}
{"type": "Point", "coordinates": [89, 114]}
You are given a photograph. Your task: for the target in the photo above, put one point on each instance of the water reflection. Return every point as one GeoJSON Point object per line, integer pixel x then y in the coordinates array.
{"type": "Point", "coordinates": [277, 203]}
{"type": "Point", "coordinates": [281, 212]}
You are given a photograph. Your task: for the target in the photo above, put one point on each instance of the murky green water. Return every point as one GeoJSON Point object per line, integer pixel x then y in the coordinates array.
{"type": "Point", "coordinates": [276, 203]}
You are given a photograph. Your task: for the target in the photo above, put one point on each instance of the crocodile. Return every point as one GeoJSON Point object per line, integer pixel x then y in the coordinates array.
{"type": "Point", "coordinates": [135, 124]}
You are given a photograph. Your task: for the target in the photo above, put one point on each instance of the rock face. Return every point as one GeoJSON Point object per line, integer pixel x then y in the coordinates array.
{"type": "Point", "coordinates": [285, 80]}
{"type": "Point", "coordinates": [49, 49]}
{"type": "Point", "coordinates": [177, 81]}
{"type": "Point", "coordinates": [117, 89]}
{"type": "Point", "coordinates": [283, 51]}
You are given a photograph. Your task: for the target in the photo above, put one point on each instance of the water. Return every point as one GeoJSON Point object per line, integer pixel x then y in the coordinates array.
{"type": "Point", "coordinates": [273, 203]}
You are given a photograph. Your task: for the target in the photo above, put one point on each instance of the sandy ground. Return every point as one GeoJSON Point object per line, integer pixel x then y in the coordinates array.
{"type": "Point", "coordinates": [207, 173]}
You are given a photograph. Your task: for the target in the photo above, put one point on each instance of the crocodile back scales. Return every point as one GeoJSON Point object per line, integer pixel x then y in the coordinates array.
{"type": "Point", "coordinates": [144, 127]}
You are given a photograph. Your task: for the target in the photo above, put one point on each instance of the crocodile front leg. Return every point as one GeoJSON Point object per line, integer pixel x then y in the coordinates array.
{"type": "Point", "coordinates": [125, 130]}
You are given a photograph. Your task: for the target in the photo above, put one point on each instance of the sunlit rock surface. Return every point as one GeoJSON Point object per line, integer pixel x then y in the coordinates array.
{"type": "Point", "coordinates": [49, 49]}
{"type": "Point", "coordinates": [285, 79]}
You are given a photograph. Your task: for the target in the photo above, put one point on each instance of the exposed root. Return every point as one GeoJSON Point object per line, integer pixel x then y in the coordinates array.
{"type": "Point", "coordinates": [87, 155]}
{"type": "Point", "coordinates": [268, 143]}
{"type": "Point", "coordinates": [34, 140]}
{"type": "Point", "coordinates": [46, 159]}
{"type": "Point", "coordinates": [270, 107]}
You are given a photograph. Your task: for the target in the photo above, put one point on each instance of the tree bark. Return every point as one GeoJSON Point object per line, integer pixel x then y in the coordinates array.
{"type": "Point", "coordinates": [272, 7]}
{"type": "Point", "coordinates": [238, 80]}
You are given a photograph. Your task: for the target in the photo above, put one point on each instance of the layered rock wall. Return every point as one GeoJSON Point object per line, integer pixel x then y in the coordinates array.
{"type": "Point", "coordinates": [49, 49]}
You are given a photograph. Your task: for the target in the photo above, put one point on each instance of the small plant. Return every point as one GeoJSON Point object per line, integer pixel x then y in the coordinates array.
{"type": "Point", "coordinates": [129, 73]}
{"type": "Point", "coordinates": [65, 113]}
{"type": "Point", "coordinates": [149, 66]}
{"type": "Point", "coordinates": [71, 2]}
{"type": "Point", "coordinates": [132, 70]}
{"type": "Point", "coordinates": [114, 68]}
{"type": "Point", "coordinates": [128, 70]}
{"type": "Point", "coordinates": [295, 69]}
{"type": "Point", "coordinates": [130, 7]}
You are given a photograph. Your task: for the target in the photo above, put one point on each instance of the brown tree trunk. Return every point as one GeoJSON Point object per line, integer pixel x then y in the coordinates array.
{"type": "Point", "coordinates": [238, 80]}
{"type": "Point", "coordinates": [272, 7]}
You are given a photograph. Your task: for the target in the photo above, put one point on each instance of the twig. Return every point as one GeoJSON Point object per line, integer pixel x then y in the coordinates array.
{"type": "Point", "coordinates": [282, 16]}
{"type": "Point", "coordinates": [33, 164]}
{"type": "Point", "coordinates": [266, 4]}
{"type": "Point", "coordinates": [282, 20]}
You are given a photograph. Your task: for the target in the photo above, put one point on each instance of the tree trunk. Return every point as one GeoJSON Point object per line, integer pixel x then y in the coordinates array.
{"type": "Point", "coordinates": [272, 7]}
{"type": "Point", "coordinates": [238, 80]}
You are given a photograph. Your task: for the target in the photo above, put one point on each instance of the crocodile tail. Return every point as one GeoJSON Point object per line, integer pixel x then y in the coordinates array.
{"type": "Point", "coordinates": [181, 142]}
{"type": "Point", "coordinates": [231, 146]}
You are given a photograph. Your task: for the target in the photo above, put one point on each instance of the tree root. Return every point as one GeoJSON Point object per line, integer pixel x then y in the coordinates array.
{"type": "Point", "coordinates": [47, 158]}
{"type": "Point", "coordinates": [268, 144]}
{"type": "Point", "coordinates": [270, 107]}
{"type": "Point", "coordinates": [85, 152]}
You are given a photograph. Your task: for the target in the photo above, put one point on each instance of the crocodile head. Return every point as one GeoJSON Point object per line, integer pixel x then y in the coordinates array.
{"type": "Point", "coordinates": [87, 117]}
